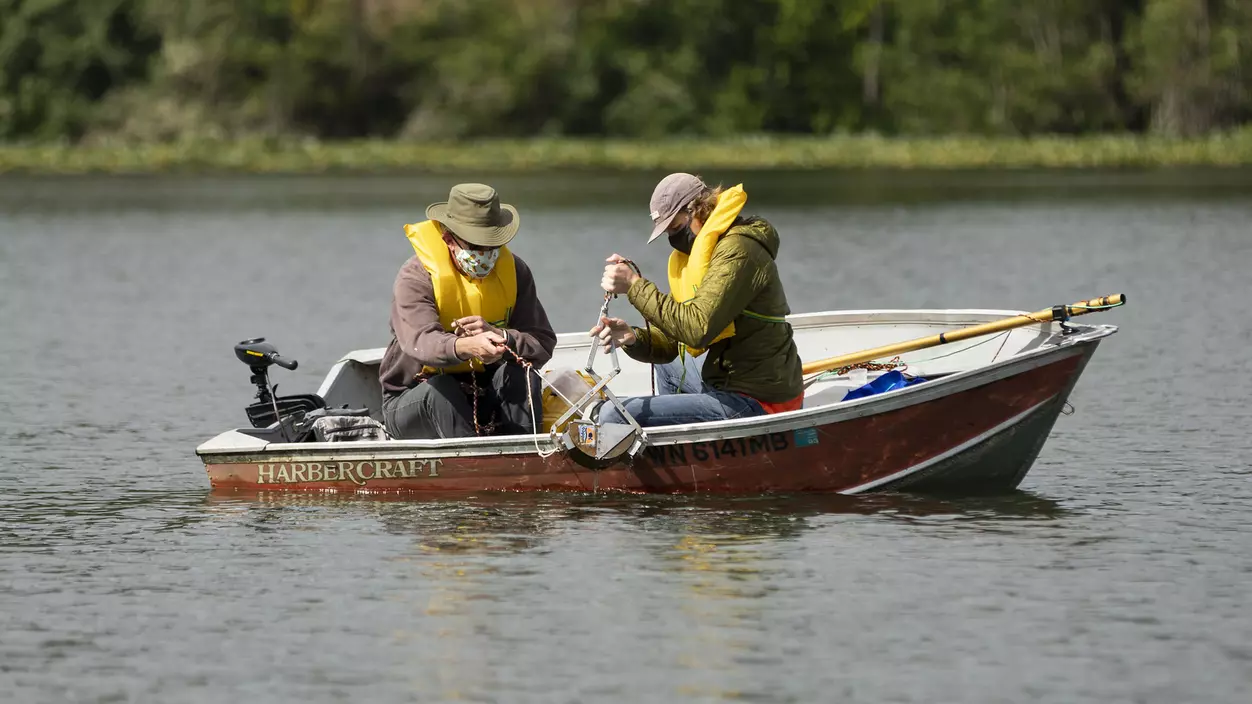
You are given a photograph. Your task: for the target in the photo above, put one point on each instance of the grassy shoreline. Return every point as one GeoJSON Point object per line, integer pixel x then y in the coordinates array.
{"type": "Point", "coordinates": [289, 156]}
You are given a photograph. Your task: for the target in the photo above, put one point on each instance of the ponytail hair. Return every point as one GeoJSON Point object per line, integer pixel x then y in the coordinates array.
{"type": "Point", "coordinates": [702, 206]}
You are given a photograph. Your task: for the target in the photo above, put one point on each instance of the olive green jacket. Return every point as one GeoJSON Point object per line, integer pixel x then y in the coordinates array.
{"type": "Point", "coordinates": [742, 286]}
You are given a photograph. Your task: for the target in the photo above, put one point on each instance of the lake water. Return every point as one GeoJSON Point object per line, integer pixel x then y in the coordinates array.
{"type": "Point", "coordinates": [1121, 572]}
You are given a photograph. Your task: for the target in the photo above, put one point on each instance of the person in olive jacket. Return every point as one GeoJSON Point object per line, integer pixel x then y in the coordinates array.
{"type": "Point", "coordinates": [726, 304]}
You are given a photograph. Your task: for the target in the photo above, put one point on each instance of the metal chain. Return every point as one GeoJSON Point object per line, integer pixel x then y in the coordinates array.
{"type": "Point", "coordinates": [893, 363]}
{"type": "Point", "coordinates": [490, 426]}
{"type": "Point", "coordinates": [604, 311]}
{"type": "Point", "coordinates": [474, 392]}
{"type": "Point", "coordinates": [530, 399]}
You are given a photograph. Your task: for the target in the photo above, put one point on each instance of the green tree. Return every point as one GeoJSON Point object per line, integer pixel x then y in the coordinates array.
{"type": "Point", "coordinates": [59, 57]}
{"type": "Point", "coordinates": [1193, 64]}
{"type": "Point", "coordinates": [433, 69]}
{"type": "Point", "coordinates": [1001, 66]}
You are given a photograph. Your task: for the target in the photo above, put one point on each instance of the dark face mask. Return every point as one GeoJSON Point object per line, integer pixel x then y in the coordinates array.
{"type": "Point", "coordinates": [682, 239]}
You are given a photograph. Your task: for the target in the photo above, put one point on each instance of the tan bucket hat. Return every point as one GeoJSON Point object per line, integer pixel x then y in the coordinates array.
{"type": "Point", "coordinates": [474, 213]}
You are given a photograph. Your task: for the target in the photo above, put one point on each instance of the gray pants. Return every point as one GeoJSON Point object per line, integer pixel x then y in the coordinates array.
{"type": "Point", "coordinates": [441, 407]}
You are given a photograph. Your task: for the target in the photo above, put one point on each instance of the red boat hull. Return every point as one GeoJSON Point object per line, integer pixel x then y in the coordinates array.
{"type": "Point", "coordinates": [980, 438]}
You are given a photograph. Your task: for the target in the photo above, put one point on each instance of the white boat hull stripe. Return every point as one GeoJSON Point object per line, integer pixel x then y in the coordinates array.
{"type": "Point", "coordinates": [948, 453]}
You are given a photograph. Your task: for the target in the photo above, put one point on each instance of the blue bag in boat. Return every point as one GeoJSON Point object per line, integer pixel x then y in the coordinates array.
{"type": "Point", "coordinates": [887, 382]}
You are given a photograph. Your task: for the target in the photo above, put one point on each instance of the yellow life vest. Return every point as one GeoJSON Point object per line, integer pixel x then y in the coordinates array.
{"type": "Point", "coordinates": [687, 271]}
{"type": "Point", "coordinates": [457, 295]}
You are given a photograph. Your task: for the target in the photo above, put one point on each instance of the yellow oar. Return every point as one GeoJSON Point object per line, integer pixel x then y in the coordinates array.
{"type": "Point", "coordinates": [1046, 315]}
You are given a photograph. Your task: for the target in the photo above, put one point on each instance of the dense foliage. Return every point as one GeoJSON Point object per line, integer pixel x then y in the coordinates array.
{"type": "Point", "coordinates": [159, 70]}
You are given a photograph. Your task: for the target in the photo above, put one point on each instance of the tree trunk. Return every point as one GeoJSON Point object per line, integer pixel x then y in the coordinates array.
{"type": "Point", "coordinates": [869, 79]}
{"type": "Point", "coordinates": [1185, 105]}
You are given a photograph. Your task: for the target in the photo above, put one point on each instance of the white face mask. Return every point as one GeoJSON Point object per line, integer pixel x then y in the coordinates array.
{"type": "Point", "coordinates": [476, 263]}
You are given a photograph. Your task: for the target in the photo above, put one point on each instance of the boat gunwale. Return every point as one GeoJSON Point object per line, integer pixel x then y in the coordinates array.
{"type": "Point", "coordinates": [957, 317]}
{"type": "Point", "coordinates": [817, 416]}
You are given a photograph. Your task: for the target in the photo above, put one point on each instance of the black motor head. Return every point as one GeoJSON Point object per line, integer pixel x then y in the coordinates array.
{"type": "Point", "coordinates": [255, 352]}
{"type": "Point", "coordinates": [259, 353]}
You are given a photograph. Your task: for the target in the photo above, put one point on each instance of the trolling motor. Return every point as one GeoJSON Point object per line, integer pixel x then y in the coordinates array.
{"type": "Point", "coordinates": [269, 409]}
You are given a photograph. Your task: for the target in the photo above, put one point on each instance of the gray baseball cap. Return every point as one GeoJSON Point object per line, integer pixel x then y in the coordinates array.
{"type": "Point", "coordinates": [671, 195]}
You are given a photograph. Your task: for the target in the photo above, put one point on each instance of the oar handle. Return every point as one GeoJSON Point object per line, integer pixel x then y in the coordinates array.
{"type": "Point", "coordinates": [1047, 315]}
{"type": "Point", "coordinates": [1095, 305]}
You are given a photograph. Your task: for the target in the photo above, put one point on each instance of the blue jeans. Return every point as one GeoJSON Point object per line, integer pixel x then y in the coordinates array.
{"type": "Point", "coordinates": [682, 398]}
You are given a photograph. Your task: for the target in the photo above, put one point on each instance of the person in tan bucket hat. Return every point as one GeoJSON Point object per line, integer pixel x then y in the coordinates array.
{"type": "Point", "coordinates": [463, 309]}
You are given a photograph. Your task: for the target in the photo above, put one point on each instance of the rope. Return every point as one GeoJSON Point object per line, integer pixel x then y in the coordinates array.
{"type": "Point", "coordinates": [530, 399]}
{"type": "Point", "coordinates": [530, 369]}
{"type": "Point", "coordinates": [966, 349]}
{"type": "Point", "coordinates": [1003, 342]}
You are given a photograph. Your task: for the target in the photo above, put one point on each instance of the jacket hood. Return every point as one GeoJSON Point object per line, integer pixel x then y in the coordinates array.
{"type": "Point", "coordinates": [760, 231]}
